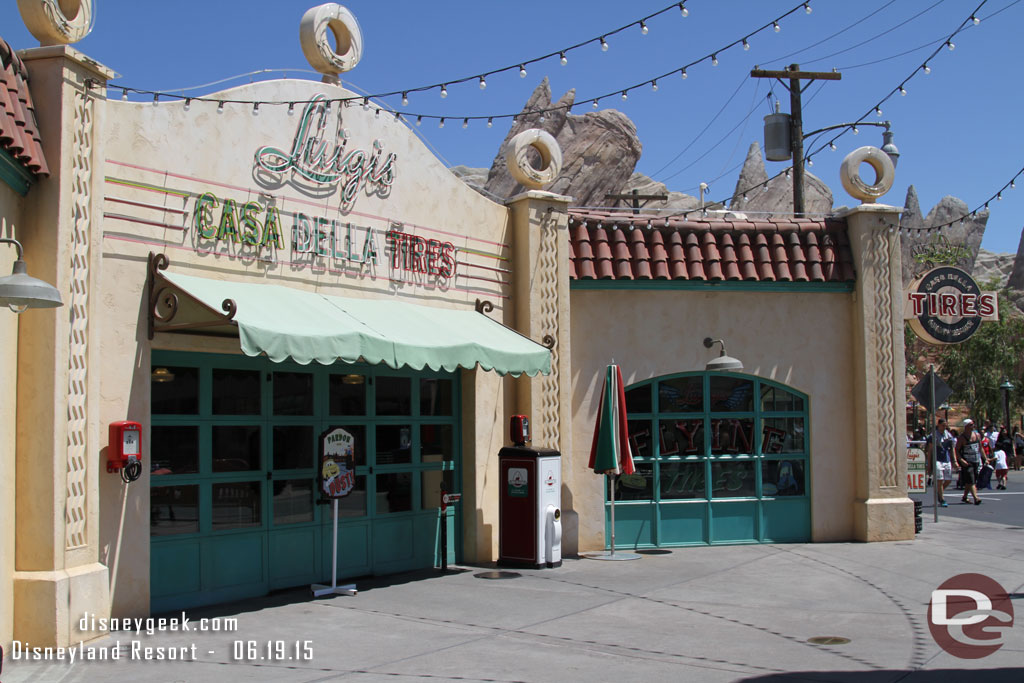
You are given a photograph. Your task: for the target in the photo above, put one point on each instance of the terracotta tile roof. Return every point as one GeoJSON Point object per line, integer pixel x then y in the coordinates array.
{"type": "Point", "coordinates": [612, 245]}
{"type": "Point", "coordinates": [19, 134]}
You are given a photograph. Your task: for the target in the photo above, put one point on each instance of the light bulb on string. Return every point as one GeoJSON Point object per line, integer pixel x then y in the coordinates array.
{"type": "Point", "coordinates": [810, 161]}
{"type": "Point", "coordinates": [714, 59]}
{"type": "Point", "coordinates": [220, 107]}
{"type": "Point", "coordinates": [562, 59]}
{"type": "Point", "coordinates": [787, 173]}
{"type": "Point", "coordinates": [878, 111]}
{"type": "Point", "coordinates": [465, 123]}
{"type": "Point", "coordinates": [903, 91]}
{"type": "Point", "coordinates": [832, 146]}
{"type": "Point", "coordinates": [975, 19]}
{"type": "Point", "coordinates": [255, 108]}
{"type": "Point", "coordinates": [682, 9]}
{"type": "Point", "coordinates": [291, 109]}
{"type": "Point", "coordinates": [643, 28]}
{"type": "Point", "coordinates": [490, 122]}
{"type": "Point", "coordinates": [440, 124]}
{"type": "Point", "coordinates": [856, 131]}
{"type": "Point", "coordinates": [654, 86]}
{"type": "Point", "coordinates": [156, 99]}
{"type": "Point", "coordinates": [683, 74]}
{"type": "Point", "coordinates": [444, 91]}
{"type": "Point", "coordinates": [595, 104]}
{"type": "Point", "coordinates": [950, 45]}
{"type": "Point", "coordinates": [483, 83]}
{"type": "Point", "coordinates": [807, 7]}
{"type": "Point", "coordinates": [188, 103]}
{"type": "Point", "coordinates": [624, 96]}
{"type": "Point", "coordinates": [604, 45]}
{"type": "Point", "coordinates": [124, 94]}
{"type": "Point", "coordinates": [746, 45]}
{"type": "Point", "coordinates": [1013, 183]}
{"type": "Point", "coordinates": [522, 71]}
{"type": "Point", "coordinates": [999, 197]}
{"type": "Point", "coordinates": [775, 25]}
{"type": "Point", "coordinates": [927, 69]}
{"type": "Point", "coordinates": [405, 99]}
{"type": "Point", "coordinates": [419, 120]}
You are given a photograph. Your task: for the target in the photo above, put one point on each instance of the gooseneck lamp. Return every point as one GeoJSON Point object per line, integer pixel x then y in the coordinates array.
{"type": "Point", "coordinates": [20, 291]}
{"type": "Point", "coordinates": [723, 362]}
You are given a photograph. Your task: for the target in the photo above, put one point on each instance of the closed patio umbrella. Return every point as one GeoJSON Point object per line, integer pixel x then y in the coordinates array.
{"type": "Point", "coordinates": [610, 453]}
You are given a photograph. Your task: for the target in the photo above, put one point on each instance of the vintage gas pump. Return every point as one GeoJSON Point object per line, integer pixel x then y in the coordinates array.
{"type": "Point", "coordinates": [124, 450]}
{"type": "Point", "coordinates": [530, 515]}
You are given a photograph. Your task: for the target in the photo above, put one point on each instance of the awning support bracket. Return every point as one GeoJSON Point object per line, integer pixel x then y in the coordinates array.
{"type": "Point", "coordinates": [163, 302]}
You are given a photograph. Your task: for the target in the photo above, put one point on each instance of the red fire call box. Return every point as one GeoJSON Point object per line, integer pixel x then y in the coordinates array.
{"type": "Point", "coordinates": [519, 430]}
{"type": "Point", "coordinates": [124, 444]}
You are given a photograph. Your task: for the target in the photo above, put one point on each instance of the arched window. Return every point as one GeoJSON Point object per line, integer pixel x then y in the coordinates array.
{"type": "Point", "coordinates": [720, 458]}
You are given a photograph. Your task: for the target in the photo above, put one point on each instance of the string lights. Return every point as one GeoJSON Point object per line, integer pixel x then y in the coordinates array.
{"type": "Point", "coordinates": [561, 55]}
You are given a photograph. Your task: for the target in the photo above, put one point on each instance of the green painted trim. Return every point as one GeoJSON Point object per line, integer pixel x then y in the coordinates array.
{"type": "Point", "coordinates": [18, 177]}
{"type": "Point", "coordinates": [716, 285]}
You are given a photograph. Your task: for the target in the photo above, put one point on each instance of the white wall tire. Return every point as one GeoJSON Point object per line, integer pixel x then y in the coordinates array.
{"type": "Point", "coordinates": [849, 173]}
{"type": "Point", "coordinates": [57, 22]}
{"type": "Point", "coordinates": [518, 161]}
{"type": "Point", "coordinates": [316, 22]}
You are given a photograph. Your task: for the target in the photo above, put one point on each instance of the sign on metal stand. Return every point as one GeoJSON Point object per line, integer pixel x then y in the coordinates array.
{"type": "Point", "coordinates": [337, 479]}
{"type": "Point", "coordinates": [446, 500]}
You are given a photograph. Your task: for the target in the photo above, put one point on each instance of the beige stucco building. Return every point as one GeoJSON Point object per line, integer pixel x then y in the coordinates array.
{"type": "Point", "coordinates": [803, 444]}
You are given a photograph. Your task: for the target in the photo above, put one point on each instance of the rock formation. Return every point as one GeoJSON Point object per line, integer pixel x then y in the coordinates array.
{"type": "Point", "coordinates": [753, 194]}
{"type": "Point", "coordinates": [962, 239]}
{"type": "Point", "coordinates": [599, 149]}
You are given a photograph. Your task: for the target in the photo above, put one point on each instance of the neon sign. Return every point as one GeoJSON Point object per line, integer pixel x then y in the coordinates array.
{"type": "Point", "coordinates": [312, 157]}
{"type": "Point", "coordinates": [251, 224]}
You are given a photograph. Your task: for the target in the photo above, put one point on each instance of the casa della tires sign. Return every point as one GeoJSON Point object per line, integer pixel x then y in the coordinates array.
{"type": "Point", "coordinates": [946, 306]}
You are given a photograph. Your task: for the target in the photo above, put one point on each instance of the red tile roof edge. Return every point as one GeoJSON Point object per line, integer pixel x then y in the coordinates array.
{"type": "Point", "coordinates": [786, 249]}
{"type": "Point", "coordinates": [19, 132]}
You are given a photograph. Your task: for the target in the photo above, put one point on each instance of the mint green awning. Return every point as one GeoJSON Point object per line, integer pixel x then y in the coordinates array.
{"type": "Point", "coordinates": [303, 326]}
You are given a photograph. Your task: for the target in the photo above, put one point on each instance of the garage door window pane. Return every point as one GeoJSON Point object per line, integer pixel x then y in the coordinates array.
{"type": "Point", "coordinates": [782, 478]}
{"type": "Point", "coordinates": [293, 501]}
{"type": "Point", "coordinates": [173, 510]}
{"type": "Point", "coordinates": [236, 392]}
{"type": "Point", "coordinates": [236, 505]}
{"type": "Point", "coordinates": [236, 449]}
{"type": "Point", "coordinates": [174, 450]}
{"type": "Point", "coordinates": [175, 390]}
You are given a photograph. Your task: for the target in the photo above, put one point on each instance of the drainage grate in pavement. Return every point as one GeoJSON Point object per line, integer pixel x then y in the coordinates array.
{"type": "Point", "coordinates": [497, 575]}
{"type": "Point", "coordinates": [828, 640]}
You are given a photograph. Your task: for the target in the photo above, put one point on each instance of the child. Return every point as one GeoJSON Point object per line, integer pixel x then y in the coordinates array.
{"type": "Point", "coordinates": [999, 463]}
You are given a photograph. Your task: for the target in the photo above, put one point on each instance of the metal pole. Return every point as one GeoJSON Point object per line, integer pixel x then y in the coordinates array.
{"type": "Point", "coordinates": [935, 440]}
{"type": "Point", "coordinates": [797, 142]}
{"type": "Point", "coordinates": [334, 545]}
{"type": "Point", "coordinates": [611, 497]}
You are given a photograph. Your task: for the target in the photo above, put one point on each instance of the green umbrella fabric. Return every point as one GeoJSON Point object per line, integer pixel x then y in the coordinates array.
{"type": "Point", "coordinates": [610, 450]}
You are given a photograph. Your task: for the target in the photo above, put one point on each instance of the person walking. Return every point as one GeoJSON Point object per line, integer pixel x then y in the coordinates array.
{"type": "Point", "coordinates": [942, 456]}
{"type": "Point", "coordinates": [1003, 446]}
{"type": "Point", "coordinates": [968, 455]}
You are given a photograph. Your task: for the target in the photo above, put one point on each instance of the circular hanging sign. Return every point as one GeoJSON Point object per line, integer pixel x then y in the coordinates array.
{"type": "Point", "coordinates": [946, 306]}
{"type": "Point", "coordinates": [337, 463]}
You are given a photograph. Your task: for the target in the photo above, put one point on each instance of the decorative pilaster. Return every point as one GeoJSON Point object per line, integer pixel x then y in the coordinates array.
{"type": "Point", "coordinates": [58, 576]}
{"type": "Point", "coordinates": [882, 509]}
{"type": "Point", "coordinates": [541, 303]}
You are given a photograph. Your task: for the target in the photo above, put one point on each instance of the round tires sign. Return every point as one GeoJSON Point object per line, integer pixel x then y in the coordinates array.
{"type": "Point", "coordinates": [946, 306]}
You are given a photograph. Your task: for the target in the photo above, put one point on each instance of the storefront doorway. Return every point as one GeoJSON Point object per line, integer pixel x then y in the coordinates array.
{"type": "Point", "coordinates": [720, 458]}
{"type": "Point", "coordinates": [234, 509]}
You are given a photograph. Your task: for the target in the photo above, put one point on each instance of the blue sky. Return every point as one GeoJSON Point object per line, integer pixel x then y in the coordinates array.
{"type": "Point", "coordinates": [957, 127]}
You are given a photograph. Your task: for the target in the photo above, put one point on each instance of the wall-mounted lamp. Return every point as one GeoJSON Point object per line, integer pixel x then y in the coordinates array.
{"type": "Point", "coordinates": [20, 291]}
{"type": "Point", "coordinates": [162, 375]}
{"type": "Point", "coordinates": [723, 362]}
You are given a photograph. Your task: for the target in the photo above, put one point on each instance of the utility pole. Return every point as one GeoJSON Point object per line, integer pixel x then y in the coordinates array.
{"type": "Point", "coordinates": [635, 198]}
{"type": "Point", "coordinates": [795, 75]}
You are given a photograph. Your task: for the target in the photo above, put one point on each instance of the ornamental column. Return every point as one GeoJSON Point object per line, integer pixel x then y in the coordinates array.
{"type": "Point", "coordinates": [58, 576]}
{"type": "Point", "coordinates": [540, 294]}
{"type": "Point", "coordinates": [882, 510]}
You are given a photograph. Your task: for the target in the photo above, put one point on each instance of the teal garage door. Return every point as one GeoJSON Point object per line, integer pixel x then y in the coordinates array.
{"type": "Point", "coordinates": [720, 458]}
{"type": "Point", "coordinates": [234, 509]}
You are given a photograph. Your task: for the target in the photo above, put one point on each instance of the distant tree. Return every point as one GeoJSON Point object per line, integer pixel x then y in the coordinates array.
{"type": "Point", "coordinates": [974, 369]}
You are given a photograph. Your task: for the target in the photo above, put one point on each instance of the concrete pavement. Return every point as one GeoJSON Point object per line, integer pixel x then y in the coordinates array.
{"type": "Point", "coordinates": [727, 613]}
